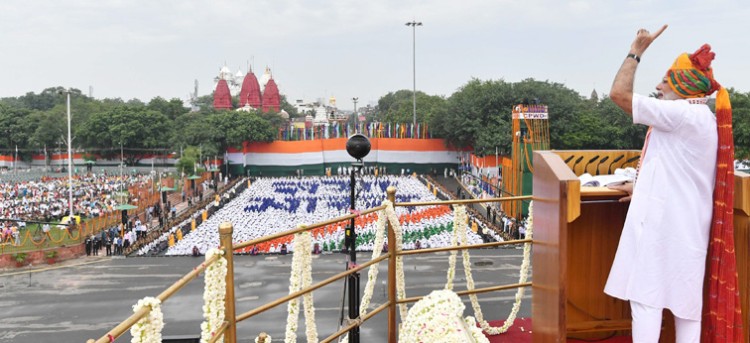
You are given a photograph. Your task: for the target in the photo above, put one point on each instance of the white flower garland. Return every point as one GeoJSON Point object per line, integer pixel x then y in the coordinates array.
{"type": "Point", "coordinates": [438, 318]}
{"type": "Point", "coordinates": [148, 328]}
{"type": "Point", "coordinates": [372, 273]}
{"type": "Point", "coordinates": [388, 214]}
{"type": "Point", "coordinates": [459, 233]}
{"type": "Point", "coordinates": [400, 278]}
{"type": "Point", "coordinates": [268, 339]}
{"type": "Point", "coordinates": [214, 295]}
{"type": "Point", "coordinates": [301, 278]}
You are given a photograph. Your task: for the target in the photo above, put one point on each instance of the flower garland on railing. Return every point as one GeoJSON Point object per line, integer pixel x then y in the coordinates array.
{"type": "Point", "coordinates": [438, 318]}
{"type": "Point", "coordinates": [214, 295]}
{"type": "Point", "coordinates": [148, 328]}
{"type": "Point", "coordinates": [386, 215]}
{"type": "Point", "coordinates": [263, 338]}
{"type": "Point", "coordinates": [372, 273]}
{"type": "Point", "coordinates": [400, 278]}
{"type": "Point", "coordinates": [301, 278]}
{"type": "Point", "coordinates": [459, 234]}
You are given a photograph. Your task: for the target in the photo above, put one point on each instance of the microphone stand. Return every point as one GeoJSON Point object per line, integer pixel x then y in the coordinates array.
{"type": "Point", "coordinates": [609, 168]}
{"type": "Point", "coordinates": [578, 160]}
{"type": "Point", "coordinates": [600, 163]}
{"type": "Point", "coordinates": [592, 160]}
{"type": "Point", "coordinates": [569, 158]}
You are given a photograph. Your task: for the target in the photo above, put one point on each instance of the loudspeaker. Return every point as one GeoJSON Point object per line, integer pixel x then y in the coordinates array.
{"type": "Point", "coordinates": [164, 197]}
{"type": "Point", "coordinates": [124, 217]}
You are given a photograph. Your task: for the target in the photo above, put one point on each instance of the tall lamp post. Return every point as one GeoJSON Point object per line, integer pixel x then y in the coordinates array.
{"type": "Point", "coordinates": [356, 117]}
{"type": "Point", "coordinates": [70, 162]}
{"type": "Point", "coordinates": [414, 25]}
{"type": "Point", "coordinates": [358, 146]}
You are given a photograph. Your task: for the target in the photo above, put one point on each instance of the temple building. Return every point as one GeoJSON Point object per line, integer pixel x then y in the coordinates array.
{"type": "Point", "coordinates": [249, 93]}
{"type": "Point", "coordinates": [271, 97]}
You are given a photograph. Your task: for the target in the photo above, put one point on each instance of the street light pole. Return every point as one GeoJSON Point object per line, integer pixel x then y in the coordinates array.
{"type": "Point", "coordinates": [70, 164]}
{"type": "Point", "coordinates": [356, 117]}
{"type": "Point", "coordinates": [414, 25]}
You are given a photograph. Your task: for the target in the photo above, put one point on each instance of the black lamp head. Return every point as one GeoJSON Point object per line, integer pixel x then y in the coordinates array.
{"type": "Point", "coordinates": [358, 146]}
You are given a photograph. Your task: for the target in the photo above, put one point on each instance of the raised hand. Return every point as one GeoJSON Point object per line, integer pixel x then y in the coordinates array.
{"type": "Point", "coordinates": [643, 39]}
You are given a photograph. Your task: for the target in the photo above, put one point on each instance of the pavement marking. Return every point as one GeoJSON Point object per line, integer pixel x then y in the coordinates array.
{"type": "Point", "coordinates": [53, 268]}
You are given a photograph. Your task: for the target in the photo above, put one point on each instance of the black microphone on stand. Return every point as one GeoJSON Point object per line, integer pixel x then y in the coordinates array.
{"type": "Point", "coordinates": [586, 167]}
{"type": "Point", "coordinates": [631, 160]}
{"type": "Point", "coordinates": [609, 169]}
{"type": "Point", "coordinates": [578, 160]}
{"type": "Point", "coordinates": [569, 158]}
{"type": "Point", "coordinates": [600, 163]}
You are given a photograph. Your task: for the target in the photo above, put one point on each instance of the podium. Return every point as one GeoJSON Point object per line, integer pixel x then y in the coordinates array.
{"type": "Point", "coordinates": [576, 233]}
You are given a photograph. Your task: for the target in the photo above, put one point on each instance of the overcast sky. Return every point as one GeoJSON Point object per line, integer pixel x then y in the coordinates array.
{"type": "Point", "coordinates": [318, 49]}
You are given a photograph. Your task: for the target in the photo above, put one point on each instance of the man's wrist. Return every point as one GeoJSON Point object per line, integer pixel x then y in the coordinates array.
{"type": "Point", "coordinates": [634, 56]}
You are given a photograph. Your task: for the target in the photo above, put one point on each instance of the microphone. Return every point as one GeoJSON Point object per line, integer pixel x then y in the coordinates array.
{"type": "Point", "coordinates": [631, 160]}
{"type": "Point", "coordinates": [586, 167]}
{"type": "Point", "coordinates": [600, 163]}
{"type": "Point", "coordinates": [578, 160]}
{"type": "Point", "coordinates": [609, 169]}
{"type": "Point", "coordinates": [569, 158]}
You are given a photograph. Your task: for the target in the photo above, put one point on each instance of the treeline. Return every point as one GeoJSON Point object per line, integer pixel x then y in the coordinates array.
{"type": "Point", "coordinates": [36, 123]}
{"type": "Point", "coordinates": [477, 115]}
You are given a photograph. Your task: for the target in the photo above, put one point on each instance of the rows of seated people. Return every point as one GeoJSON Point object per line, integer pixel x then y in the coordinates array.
{"type": "Point", "coordinates": [47, 199]}
{"type": "Point", "coordinates": [273, 205]}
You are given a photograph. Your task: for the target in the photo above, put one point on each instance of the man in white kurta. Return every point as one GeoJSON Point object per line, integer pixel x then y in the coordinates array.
{"type": "Point", "coordinates": [661, 258]}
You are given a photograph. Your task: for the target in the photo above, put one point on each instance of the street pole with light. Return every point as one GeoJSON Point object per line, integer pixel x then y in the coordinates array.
{"type": "Point", "coordinates": [414, 25]}
{"type": "Point", "coordinates": [70, 163]}
{"type": "Point", "coordinates": [358, 146]}
{"type": "Point", "coordinates": [356, 118]}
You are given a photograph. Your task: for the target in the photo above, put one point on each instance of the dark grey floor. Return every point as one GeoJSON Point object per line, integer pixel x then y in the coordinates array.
{"type": "Point", "coordinates": [75, 303]}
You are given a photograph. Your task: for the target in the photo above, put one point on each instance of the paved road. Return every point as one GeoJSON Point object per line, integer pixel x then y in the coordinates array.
{"type": "Point", "coordinates": [89, 296]}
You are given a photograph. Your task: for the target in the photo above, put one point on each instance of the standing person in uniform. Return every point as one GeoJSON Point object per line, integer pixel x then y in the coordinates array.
{"type": "Point", "coordinates": [687, 156]}
{"type": "Point", "coordinates": [108, 244]}
{"type": "Point", "coordinates": [87, 245]}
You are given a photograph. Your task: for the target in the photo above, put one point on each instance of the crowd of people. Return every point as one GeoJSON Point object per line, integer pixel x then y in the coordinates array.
{"type": "Point", "coordinates": [47, 199]}
{"type": "Point", "coordinates": [273, 205]}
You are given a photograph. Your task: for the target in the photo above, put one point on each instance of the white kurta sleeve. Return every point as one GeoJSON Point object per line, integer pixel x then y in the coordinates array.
{"type": "Point", "coordinates": [661, 114]}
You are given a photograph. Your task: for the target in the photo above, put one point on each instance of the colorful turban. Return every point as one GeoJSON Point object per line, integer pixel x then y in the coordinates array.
{"type": "Point", "coordinates": [691, 75]}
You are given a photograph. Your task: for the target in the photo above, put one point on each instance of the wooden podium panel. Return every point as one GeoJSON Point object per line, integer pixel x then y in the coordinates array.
{"type": "Point", "coordinates": [576, 233]}
{"type": "Point", "coordinates": [742, 244]}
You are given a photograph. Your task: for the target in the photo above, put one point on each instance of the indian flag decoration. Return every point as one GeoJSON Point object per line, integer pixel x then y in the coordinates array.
{"type": "Point", "coordinates": [272, 205]}
{"type": "Point", "coordinates": [314, 156]}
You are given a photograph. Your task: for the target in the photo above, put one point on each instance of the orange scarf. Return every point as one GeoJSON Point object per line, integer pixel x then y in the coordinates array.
{"type": "Point", "coordinates": [722, 314]}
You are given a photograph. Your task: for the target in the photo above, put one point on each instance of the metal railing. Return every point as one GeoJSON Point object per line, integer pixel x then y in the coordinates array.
{"type": "Point", "coordinates": [229, 329]}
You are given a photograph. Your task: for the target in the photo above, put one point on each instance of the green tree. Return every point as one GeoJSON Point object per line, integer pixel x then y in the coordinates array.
{"type": "Point", "coordinates": [15, 128]}
{"type": "Point", "coordinates": [478, 116]}
{"type": "Point", "coordinates": [172, 109]}
{"type": "Point", "coordinates": [135, 127]}
{"type": "Point", "coordinates": [741, 123]}
{"type": "Point", "coordinates": [398, 107]}
{"type": "Point", "coordinates": [289, 108]}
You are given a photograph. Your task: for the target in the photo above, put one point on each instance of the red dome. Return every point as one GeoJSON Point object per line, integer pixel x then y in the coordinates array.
{"type": "Point", "coordinates": [250, 92]}
{"type": "Point", "coordinates": [271, 98]}
{"type": "Point", "coordinates": [222, 97]}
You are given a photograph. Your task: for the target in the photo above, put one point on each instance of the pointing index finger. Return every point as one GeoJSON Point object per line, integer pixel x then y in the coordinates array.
{"type": "Point", "coordinates": [657, 33]}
